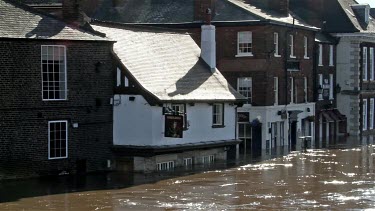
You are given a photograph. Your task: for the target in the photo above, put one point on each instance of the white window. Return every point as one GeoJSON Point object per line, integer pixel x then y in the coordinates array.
{"type": "Point", "coordinates": [364, 114]}
{"type": "Point", "coordinates": [276, 90]}
{"type": "Point", "coordinates": [54, 83]}
{"type": "Point", "coordinates": [118, 77]}
{"type": "Point", "coordinates": [218, 114]}
{"type": "Point", "coordinates": [210, 159]}
{"type": "Point", "coordinates": [330, 86]}
{"type": "Point", "coordinates": [244, 87]}
{"type": "Point", "coordinates": [305, 47]}
{"type": "Point", "coordinates": [126, 81]}
{"type": "Point", "coordinates": [320, 55]}
{"type": "Point", "coordinates": [57, 139]}
{"type": "Point", "coordinates": [364, 63]}
{"type": "Point", "coordinates": [371, 117]}
{"type": "Point", "coordinates": [169, 165]}
{"type": "Point", "coordinates": [291, 46]}
{"type": "Point", "coordinates": [371, 63]}
{"type": "Point", "coordinates": [330, 55]}
{"type": "Point", "coordinates": [291, 90]}
{"type": "Point", "coordinates": [305, 89]}
{"type": "Point", "coordinates": [188, 162]}
{"type": "Point", "coordinates": [245, 43]}
{"type": "Point", "coordinates": [276, 43]}
{"type": "Point", "coordinates": [320, 97]}
{"type": "Point", "coordinates": [178, 108]}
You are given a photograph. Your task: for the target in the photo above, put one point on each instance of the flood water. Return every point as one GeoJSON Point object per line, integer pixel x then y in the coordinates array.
{"type": "Point", "coordinates": [317, 179]}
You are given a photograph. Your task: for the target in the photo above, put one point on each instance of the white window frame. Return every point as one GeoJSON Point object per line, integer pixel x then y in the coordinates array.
{"type": "Point", "coordinates": [320, 76]}
{"type": "Point", "coordinates": [305, 89]}
{"type": "Point", "coordinates": [118, 77]}
{"type": "Point", "coordinates": [209, 159]}
{"type": "Point", "coordinates": [292, 90]}
{"type": "Point", "coordinates": [63, 83]}
{"type": "Point", "coordinates": [364, 64]}
{"type": "Point", "coordinates": [371, 115]}
{"type": "Point", "coordinates": [305, 48]}
{"type": "Point", "coordinates": [331, 55]}
{"type": "Point", "coordinates": [364, 114]}
{"type": "Point", "coordinates": [49, 139]}
{"type": "Point", "coordinates": [188, 162]}
{"type": "Point", "coordinates": [371, 64]}
{"type": "Point", "coordinates": [126, 81]}
{"type": "Point", "coordinates": [331, 86]}
{"type": "Point", "coordinates": [276, 90]}
{"type": "Point", "coordinates": [246, 91]}
{"type": "Point", "coordinates": [218, 117]}
{"type": "Point", "coordinates": [239, 42]}
{"type": "Point", "coordinates": [291, 46]}
{"type": "Point", "coordinates": [276, 44]}
{"type": "Point", "coordinates": [320, 59]}
{"type": "Point", "coordinates": [165, 166]}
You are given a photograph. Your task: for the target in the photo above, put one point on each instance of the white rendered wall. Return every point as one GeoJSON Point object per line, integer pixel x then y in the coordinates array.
{"type": "Point", "coordinates": [137, 123]}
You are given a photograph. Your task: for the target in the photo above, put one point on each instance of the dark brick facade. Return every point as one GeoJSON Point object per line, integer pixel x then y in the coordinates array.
{"type": "Point", "coordinates": [24, 115]}
{"type": "Point", "coordinates": [264, 66]}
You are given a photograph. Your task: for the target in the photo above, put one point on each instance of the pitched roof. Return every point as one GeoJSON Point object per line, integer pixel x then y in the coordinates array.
{"type": "Point", "coordinates": [164, 11]}
{"type": "Point", "coordinates": [20, 21]}
{"type": "Point", "coordinates": [167, 64]}
{"type": "Point", "coordinates": [347, 7]}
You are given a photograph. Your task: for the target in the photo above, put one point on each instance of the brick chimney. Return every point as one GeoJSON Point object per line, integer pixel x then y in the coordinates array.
{"type": "Point", "coordinates": [200, 7]}
{"type": "Point", "coordinates": [279, 6]}
{"type": "Point", "coordinates": [72, 13]}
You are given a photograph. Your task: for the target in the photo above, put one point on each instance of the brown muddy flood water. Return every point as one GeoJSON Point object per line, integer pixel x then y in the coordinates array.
{"type": "Point", "coordinates": [317, 179]}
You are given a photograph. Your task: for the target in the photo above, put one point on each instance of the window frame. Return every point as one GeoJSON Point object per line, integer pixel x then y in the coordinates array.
{"type": "Point", "coordinates": [364, 64]}
{"type": "Point", "coordinates": [218, 124]}
{"type": "Point", "coordinates": [118, 77]}
{"type": "Point", "coordinates": [276, 44]}
{"type": "Point", "coordinates": [331, 97]}
{"type": "Point", "coordinates": [249, 93]}
{"type": "Point", "coordinates": [183, 113]}
{"type": "Point", "coordinates": [66, 139]}
{"type": "Point", "coordinates": [291, 46]}
{"type": "Point", "coordinates": [371, 61]}
{"type": "Point", "coordinates": [371, 114]}
{"type": "Point", "coordinates": [276, 90]}
{"type": "Point", "coordinates": [48, 81]}
{"type": "Point", "coordinates": [320, 58]}
{"type": "Point", "coordinates": [364, 114]}
{"type": "Point", "coordinates": [320, 77]}
{"type": "Point", "coordinates": [305, 47]}
{"type": "Point", "coordinates": [305, 89]}
{"type": "Point", "coordinates": [209, 158]}
{"type": "Point", "coordinates": [292, 90]}
{"type": "Point", "coordinates": [170, 165]}
{"type": "Point", "coordinates": [243, 54]}
{"type": "Point", "coordinates": [331, 56]}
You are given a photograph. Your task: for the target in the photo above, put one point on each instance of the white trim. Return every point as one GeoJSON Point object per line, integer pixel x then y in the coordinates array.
{"type": "Point", "coordinates": [240, 54]}
{"type": "Point", "coordinates": [188, 162]}
{"type": "Point", "coordinates": [276, 44]}
{"type": "Point", "coordinates": [320, 96]}
{"type": "Point", "coordinates": [291, 45]}
{"type": "Point", "coordinates": [305, 48]}
{"type": "Point", "coordinates": [244, 55]}
{"type": "Point", "coordinates": [169, 165]}
{"type": "Point", "coordinates": [221, 113]}
{"type": "Point", "coordinates": [209, 158]}
{"type": "Point", "coordinates": [331, 55]}
{"type": "Point", "coordinates": [371, 114]}
{"type": "Point", "coordinates": [372, 63]}
{"type": "Point", "coordinates": [118, 74]}
{"type": "Point", "coordinates": [126, 81]}
{"type": "Point", "coordinates": [49, 141]}
{"type": "Point", "coordinates": [276, 90]}
{"type": "Point", "coordinates": [320, 58]}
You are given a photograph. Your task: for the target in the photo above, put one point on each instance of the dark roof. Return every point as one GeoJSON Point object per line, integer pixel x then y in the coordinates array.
{"type": "Point", "coordinates": [334, 16]}
{"type": "Point", "coordinates": [372, 12]}
{"type": "Point", "coordinates": [163, 11]}
{"type": "Point", "coordinates": [20, 21]}
{"type": "Point", "coordinates": [324, 38]}
{"type": "Point", "coordinates": [167, 64]}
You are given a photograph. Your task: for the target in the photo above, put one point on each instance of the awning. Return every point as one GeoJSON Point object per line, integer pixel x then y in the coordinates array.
{"type": "Point", "coordinates": [327, 117]}
{"type": "Point", "coordinates": [293, 115]}
{"type": "Point", "coordinates": [340, 116]}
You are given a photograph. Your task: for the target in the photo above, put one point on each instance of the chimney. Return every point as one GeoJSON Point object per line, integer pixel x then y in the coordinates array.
{"type": "Point", "coordinates": [279, 6]}
{"type": "Point", "coordinates": [72, 13]}
{"type": "Point", "coordinates": [208, 42]}
{"type": "Point", "coordinates": [200, 7]}
{"type": "Point", "coordinates": [362, 12]}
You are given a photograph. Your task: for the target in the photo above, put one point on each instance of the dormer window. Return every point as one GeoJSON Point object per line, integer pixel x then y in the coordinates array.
{"type": "Point", "coordinates": [362, 12]}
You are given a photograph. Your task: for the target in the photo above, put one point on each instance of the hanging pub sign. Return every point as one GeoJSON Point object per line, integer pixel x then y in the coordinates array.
{"type": "Point", "coordinates": [243, 117]}
{"type": "Point", "coordinates": [173, 126]}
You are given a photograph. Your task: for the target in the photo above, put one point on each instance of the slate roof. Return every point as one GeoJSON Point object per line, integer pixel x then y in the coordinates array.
{"type": "Point", "coordinates": [167, 64]}
{"type": "Point", "coordinates": [21, 21]}
{"type": "Point", "coordinates": [163, 11]}
{"type": "Point", "coordinates": [346, 6]}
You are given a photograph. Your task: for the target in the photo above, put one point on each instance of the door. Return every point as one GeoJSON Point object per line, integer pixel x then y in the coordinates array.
{"type": "Point", "coordinates": [256, 145]}
{"type": "Point", "coordinates": [293, 135]}
{"type": "Point", "coordinates": [244, 133]}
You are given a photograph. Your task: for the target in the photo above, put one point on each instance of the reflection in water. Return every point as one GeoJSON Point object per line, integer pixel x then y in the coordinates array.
{"type": "Point", "coordinates": [317, 179]}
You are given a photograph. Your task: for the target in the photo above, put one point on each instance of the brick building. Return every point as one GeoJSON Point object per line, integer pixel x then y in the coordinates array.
{"type": "Point", "coordinates": [56, 81]}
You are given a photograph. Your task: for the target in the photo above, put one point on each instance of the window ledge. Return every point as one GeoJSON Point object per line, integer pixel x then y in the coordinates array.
{"type": "Point", "coordinates": [331, 65]}
{"type": "Point", "coordinates": [292, 57]}
{"type": "Point", "coordinates": [218, 126]}
{"type": "Point", "coordinates": [244, 55]}
{"type": "Point", "coordinates": [277, 55]}
{"type": "Point", "coordinates": [306, 57]}
{"type": "Point", "coordinates": [320, 65]}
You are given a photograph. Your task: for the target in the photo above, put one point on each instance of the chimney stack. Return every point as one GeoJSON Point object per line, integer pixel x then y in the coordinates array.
{"type": "Point", "coordinates": [200, 7]}
{"type": "Point", "coordinates": [71, 12]}
{"type": "Point", "coordinates": [279, 6]}
{"type": "Point", "coordinates": [208, 42]}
